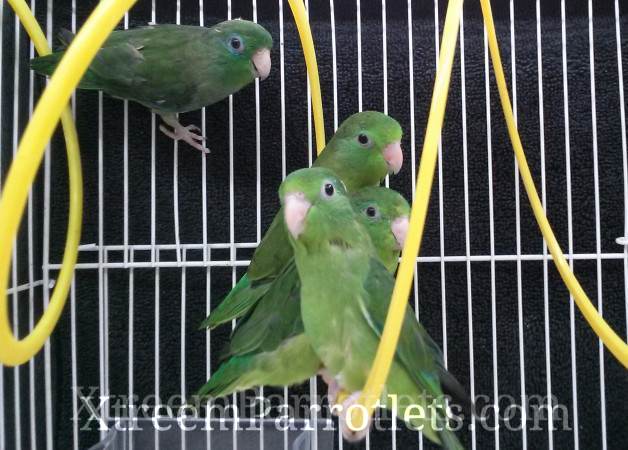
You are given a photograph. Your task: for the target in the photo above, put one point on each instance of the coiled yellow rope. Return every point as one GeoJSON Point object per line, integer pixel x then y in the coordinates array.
{"type": "Point", "coordinates": [611, 340]}
{"type": "Point", "coordinates": [50, 107]}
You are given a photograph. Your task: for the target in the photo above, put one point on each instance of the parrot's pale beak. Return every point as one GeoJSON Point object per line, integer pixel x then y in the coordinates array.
{"type": "Point", "coordinates": [399, 228]}
{"type": "Point", "coordinates": [295, 209]}
{"type": "Point", "coordinates": [261, 63]}
{"type": "Point", "coordinates": [394, 157]}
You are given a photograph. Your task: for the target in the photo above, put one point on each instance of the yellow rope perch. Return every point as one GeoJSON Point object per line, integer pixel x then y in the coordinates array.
{"type": "Point", "coordinates": [51, 106]}
{"type": "Point", "coordinates": [612, 341]}
{"type": "Point", "coordinates": [383, 359]}
{"type": "Point", "coordinates": [305, 34]}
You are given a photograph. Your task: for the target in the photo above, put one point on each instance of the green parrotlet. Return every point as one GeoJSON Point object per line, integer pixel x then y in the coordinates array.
{"type": "Point", "coordinates": [345, 294]}
{"type": "Point", "coordinates": [365, 148]}
{"type": "Point", "coordinates": [174, 68]}
{"type": "Point", "coordinates": [268, 346]}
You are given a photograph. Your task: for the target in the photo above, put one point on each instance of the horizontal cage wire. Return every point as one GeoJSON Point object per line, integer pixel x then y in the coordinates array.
{"type": "Point", "coordinates": [168, 231]}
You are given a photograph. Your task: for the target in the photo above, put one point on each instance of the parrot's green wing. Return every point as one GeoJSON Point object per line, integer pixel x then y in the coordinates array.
{"type": "Point", "coordinates": [270, 258]}
{"type": "Point", "coordinates": [416, 351]}
{"type": "Point", "coordinates": [273, 252]}
{"type": "Point", "coordinates": [240, 299]}
{"type": "Point", "coordinates": [275, 318]}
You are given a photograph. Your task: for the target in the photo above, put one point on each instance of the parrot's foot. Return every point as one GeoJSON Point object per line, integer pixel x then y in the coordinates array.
{"type": "Point", "coordinates": [333, 388]}
{"type": "Point", "coordinates": [186, 134]}
{"type": "Point", "coordinates": [348, 405]}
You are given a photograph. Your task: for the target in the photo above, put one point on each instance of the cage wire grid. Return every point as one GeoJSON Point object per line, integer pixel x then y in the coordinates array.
{"type": "Point", "coordinates": [487, 290]}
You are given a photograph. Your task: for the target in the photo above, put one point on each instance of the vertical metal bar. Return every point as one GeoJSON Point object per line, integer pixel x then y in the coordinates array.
{"type": "Point", "coordinates": [175, 162]}
{"type": "Point", "coordinates": [2, 414]}
{"type": "Point", "coordinates": [131, 374]}
{"type": "Point", "coordinates": [45, 264]}
{"type": "Point", "coordinates": [105, 414]}
{"type": "Point", "coordinates": [206, 252]}
{"type": "Point", "coordinates": [332, 19]}
{"type": "Point", "coordinates": [359, 37]}
{"type": "Point", "coordinates": [232, 248]}
{"type": "Point", "coordinates": [258, 147]}
{"type": "Point", "coordinates": [313, 386]}
{"type": "Point", "coordinates": [258, 184]}
{"type": "Point", "coordinates": [102, 300]}
{"type": "Point", "coordinates": [489, 151]}
{"type": "Point", "coordinates": [157, 335]}
{"type": "Point", "coordinates": [283, 146]}
{"type": "Point", "coordinates": [73, 333]}
{"type": "Point", "coordinates": [175, 169]}
{"type": "Point", "coordinates": [622, 108]}
{"type": "Point", "coordinates": [572, 326]}
{"type": "Point", "coordinates": [125, 158]}
{"type": "Point", "coordinates": [513, 64]}
{"type": "Point", "coordinates": [466, 222]}
{"type": "Point", "coordinates": [548, 368]}
{"type": "Point", "coordinates": [596, 181]}
{"type": "Point", "coordinates": [182, 344]}
{"type": "Point", "coordinates": [31, 265]}
{"type": "Point", "coordinates": [385, 81]}
{"type": "Point", "coordinates": [441, 217]}
{"type": "Point", "coordinates": [153, 238]}
{"type": "Point", "coordinates": [282, 92]}
{"type": "Point", "coordinates": [367, 442]}
{"type": "Point", "coordinates": [74, 355]}
{"type": "Point", "coordinates": [17, 401]}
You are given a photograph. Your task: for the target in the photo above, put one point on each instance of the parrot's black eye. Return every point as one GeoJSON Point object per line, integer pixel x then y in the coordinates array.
{"type": "Point", "coordinates": [328, 189]}
{"type": "Point", "coordinates": [371, 211]}
{"type": "Point", "coordinates": [236, 44]}
{"type": "Point", "coordinates": [364, 140]}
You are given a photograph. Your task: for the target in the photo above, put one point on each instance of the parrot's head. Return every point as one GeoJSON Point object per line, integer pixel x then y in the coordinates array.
{"type": "Point", "coordinates": [246, 50]}
{"type": "Point", "coordinates": [364, 149]}
{"type": "Point", "coordinates": [384, 213]}
{"type": "Point", "coordinates": [316, 208]}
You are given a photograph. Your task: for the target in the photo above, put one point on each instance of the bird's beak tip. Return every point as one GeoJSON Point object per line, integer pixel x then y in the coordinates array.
{"type": "Point", "coordinates": [261, 63]}
{"type": "Point", "coordinates": [394, 157]}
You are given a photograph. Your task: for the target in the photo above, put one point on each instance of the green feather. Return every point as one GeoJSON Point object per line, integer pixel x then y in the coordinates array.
{"type": "Point", "coordinates": [355, 165]}
{"type": "Point", "coordinates": [170, 68]}
{"type": "Point", "coordinates": [345, 294]}
{"type": "Point", "coordinates": [276, 317]}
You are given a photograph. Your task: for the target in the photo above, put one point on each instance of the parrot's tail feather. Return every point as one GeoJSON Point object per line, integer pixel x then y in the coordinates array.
{"type": "Point", "coordinates": [241, 298]}
{"type": "Point", "coordinates": [65, 37]}
{"type": "Point", "coordinates": [449, 440]}
{"type": "Point", "coordinates": [46, 65]}
{"type": "Point", "coordinates": [452, 387]}
{"type": "Point", "coordinates": [229, 378]}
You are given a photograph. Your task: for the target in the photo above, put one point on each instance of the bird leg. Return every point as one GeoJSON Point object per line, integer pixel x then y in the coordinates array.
{"type": "Point", "coordinates": [183, 133]}
{"type": "Point", "coordinates": [348, 433]}
{"type": "Point", "coordinates": [333, 388]}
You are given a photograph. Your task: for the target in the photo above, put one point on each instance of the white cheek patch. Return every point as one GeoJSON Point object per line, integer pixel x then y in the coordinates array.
{"type": "Point", "coordinates": [295, 210]}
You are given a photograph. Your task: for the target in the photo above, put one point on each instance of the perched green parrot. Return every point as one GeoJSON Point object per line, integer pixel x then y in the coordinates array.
{"type": "Point", "coordinates": [365, 148]}
{"type": "Point", "coordinates": [174, 68]}
{"type": "Point", "coordinates": [268, 346]}
{"type": "Point", "coordinates": [345, 294]}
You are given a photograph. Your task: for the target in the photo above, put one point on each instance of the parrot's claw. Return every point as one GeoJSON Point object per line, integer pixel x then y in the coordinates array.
{"type": "Point", "coordinates": [348, 433]}
{"type": "Point", "coordinates": [186, 134]}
